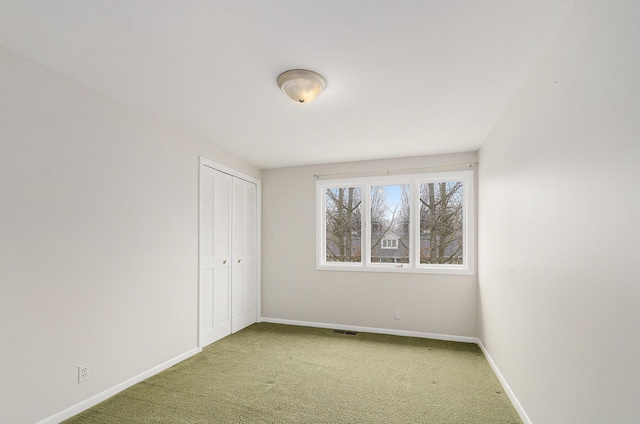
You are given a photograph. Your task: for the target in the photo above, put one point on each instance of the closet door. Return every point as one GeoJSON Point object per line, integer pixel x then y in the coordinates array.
{"type": "Point", "coordinates": [244, 257]}
{"type": "Point", "coordinates": [215, 255]}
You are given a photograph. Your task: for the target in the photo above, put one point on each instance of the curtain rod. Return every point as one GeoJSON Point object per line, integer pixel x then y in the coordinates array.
{"type": "Point", "coordinates": [395, 171]}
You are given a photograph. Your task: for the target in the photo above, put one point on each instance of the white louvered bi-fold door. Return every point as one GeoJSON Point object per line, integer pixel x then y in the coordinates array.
{"type": "Point", "coordinates": [215, 255]}
{"type": "Point", "coordinates": [244, 255]}
{"type": "Point", "coordinates": [228, 254]}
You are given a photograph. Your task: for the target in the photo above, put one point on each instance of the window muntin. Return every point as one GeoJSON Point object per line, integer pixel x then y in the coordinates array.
{"type": "Point", "coordinates": [395, 221]}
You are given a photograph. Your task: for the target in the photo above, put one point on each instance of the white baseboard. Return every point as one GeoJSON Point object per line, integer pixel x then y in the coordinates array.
{"type": "Point", "coordinates": [392, 332]}
{"type": "Point", "coordinates": [94, 400]}
{"type": "Point", "coordinates": [516, 404]}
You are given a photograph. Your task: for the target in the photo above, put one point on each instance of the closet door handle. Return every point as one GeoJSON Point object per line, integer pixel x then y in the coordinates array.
{"type": "Point", "coordinates": [224, 262]}
{"type": "Point", "coordinates": [239, 260]}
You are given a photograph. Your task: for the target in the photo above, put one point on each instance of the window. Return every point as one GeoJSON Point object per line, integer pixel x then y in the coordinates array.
{"type": "Point", "coordinates": [390, 243]}
{"type": "Point", "coordinates": [409, 223]}
{"type": "Point", "coordinates": [343, 224]}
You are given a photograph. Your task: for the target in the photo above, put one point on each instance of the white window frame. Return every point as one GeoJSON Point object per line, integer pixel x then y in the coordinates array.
{"type": "Point", "coordinates": [414, 266]}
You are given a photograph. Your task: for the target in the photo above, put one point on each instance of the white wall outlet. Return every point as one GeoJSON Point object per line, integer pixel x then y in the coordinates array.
{"type": "Point", "coordinates": [83, 372]}
{"type": "Point", "coordinates": [396, 314]}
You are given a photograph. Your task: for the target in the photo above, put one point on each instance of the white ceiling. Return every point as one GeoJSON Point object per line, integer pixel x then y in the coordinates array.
{"type": "Point", "coordinates": [404, 77]}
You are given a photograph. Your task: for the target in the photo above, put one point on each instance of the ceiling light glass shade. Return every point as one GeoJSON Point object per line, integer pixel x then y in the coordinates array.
{"type": "Point", "coordinates": [300, 85]}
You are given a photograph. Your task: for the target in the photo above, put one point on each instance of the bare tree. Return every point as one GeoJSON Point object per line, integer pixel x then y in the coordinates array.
{"type": "Point", "coordinates": [440, 226]}
{"type": "Point", "coordinates": [381, 222]}
{"type": "Point", "coordinates": [343, 221]}
{"type": "Point", "coordinates": [441, 222]}
{"type": "Point", "coordinates": [404, 221]}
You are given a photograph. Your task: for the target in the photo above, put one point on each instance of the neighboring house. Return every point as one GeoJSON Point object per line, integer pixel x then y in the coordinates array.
{"type": "Point", "coordinates": [390, 247]}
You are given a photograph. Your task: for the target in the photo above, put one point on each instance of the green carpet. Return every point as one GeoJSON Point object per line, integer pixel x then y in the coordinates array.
{"type": "Point", "coordinates": [269, 373]}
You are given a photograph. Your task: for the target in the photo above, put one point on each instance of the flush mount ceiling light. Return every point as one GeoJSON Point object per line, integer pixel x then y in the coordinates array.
{"type": "Point", "coordinates": [300, 85]}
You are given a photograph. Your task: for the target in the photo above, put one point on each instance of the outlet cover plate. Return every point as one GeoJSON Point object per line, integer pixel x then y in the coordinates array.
{"type": "Point", "coordinates": [83, 372]}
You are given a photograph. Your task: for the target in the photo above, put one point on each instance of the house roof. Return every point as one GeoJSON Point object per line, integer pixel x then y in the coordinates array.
{"type": "Point", "coordinates": [404, 78]}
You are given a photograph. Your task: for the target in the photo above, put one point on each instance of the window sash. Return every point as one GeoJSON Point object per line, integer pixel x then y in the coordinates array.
{"type": "Point", "coordinates": [414, 264]}
{"type": "Point", "coordinates": [345, 233]}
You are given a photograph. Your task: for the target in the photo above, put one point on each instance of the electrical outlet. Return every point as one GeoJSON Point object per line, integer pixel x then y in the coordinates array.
{"type": "Point", "coordinates": [83, 372]}
{"type": "Point", "coordinates": [396, 314]}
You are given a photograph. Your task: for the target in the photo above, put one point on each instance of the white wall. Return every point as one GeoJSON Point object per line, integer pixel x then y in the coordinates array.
{"type": "Point", "coordinates": [559, 225]}
{"type": "Point", "coordinates": [98, 240]}
{"type": "Point", "coordinates": [292, 289]}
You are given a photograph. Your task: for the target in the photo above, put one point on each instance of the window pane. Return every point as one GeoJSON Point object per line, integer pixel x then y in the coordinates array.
{"type": "Point", "coordinates": [344, 224]}
{"type": "Point", "coordinates": [390, 224]}
{"type": "Point", "coordinates": [441, 223]}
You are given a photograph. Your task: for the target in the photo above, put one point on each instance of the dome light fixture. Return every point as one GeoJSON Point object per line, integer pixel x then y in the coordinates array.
{"type": "Point", "coordinates": [301, 85]}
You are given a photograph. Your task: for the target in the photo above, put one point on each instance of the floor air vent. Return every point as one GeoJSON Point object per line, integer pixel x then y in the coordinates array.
{"type": "Point", "coordinates": [348, 333]}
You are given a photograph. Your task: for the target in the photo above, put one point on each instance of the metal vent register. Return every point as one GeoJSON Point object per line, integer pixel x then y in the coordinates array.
{"type": "Point", "coordinates": [348, 333]}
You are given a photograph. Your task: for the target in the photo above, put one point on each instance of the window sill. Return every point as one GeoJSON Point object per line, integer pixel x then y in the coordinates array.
{"type": "Point", "coordinates": [443, 270]}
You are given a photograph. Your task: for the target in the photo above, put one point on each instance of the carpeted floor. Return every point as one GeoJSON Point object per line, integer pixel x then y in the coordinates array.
{"type": "Point", "coordinates": [269, 373]}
